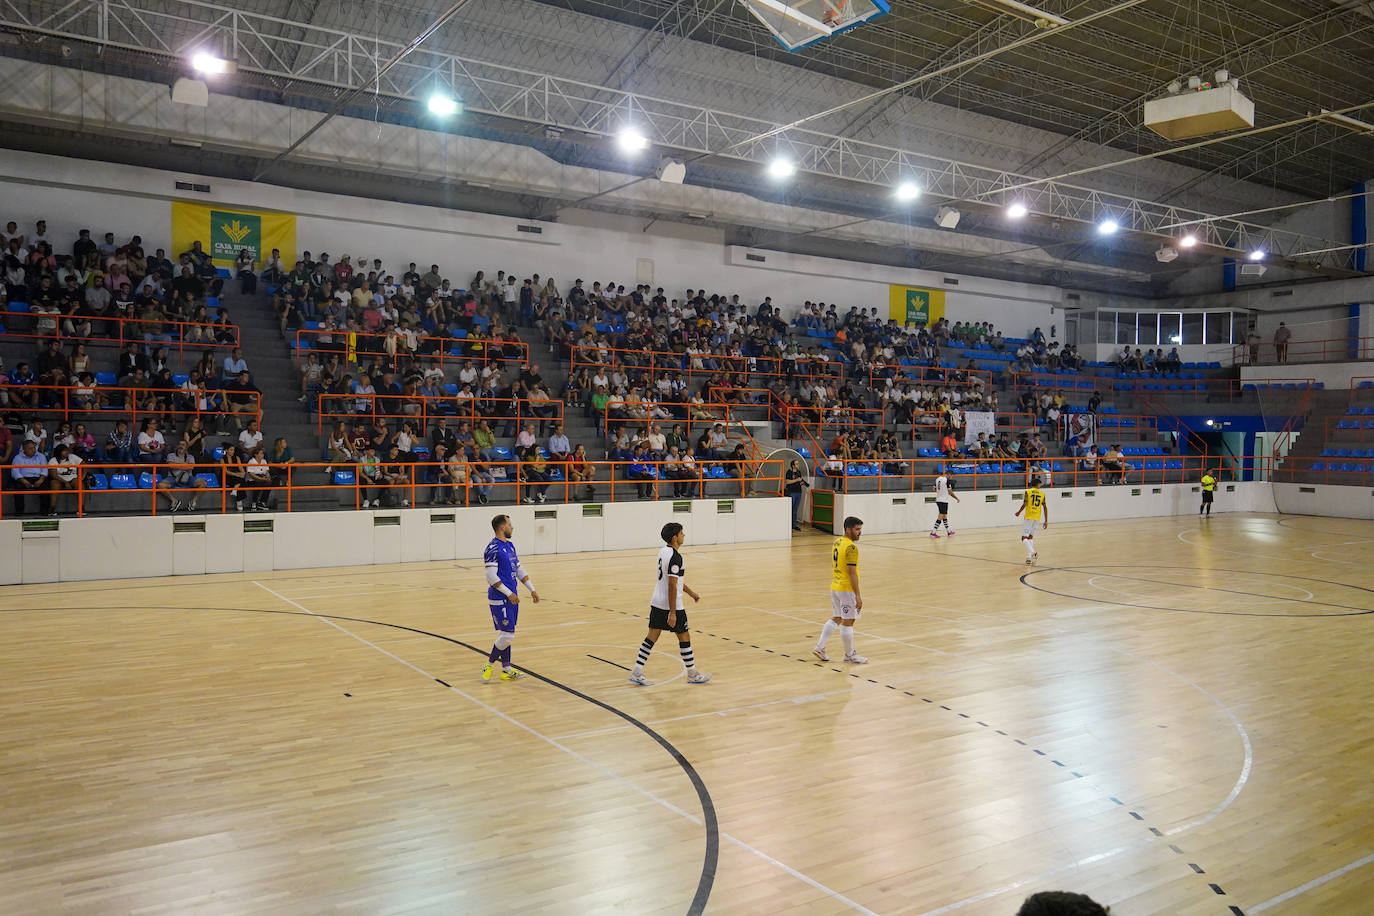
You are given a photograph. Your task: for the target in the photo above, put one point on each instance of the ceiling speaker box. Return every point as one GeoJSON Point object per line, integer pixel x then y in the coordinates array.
{"type": "Point", "coordinates": [191, 92]}
{"type": "Point", "coordinates": [671, 171]}
{"type": "Point", "coordinates": [1197, 114]}
{"type": "Point", "coordinates": [947, 217]}
{"type": "Point", "coordinates": [1252, 270]}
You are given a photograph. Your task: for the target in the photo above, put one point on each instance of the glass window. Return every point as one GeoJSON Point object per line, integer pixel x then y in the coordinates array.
{"type": "Point", "coordinates": [1147, 329]}
{"type": "Point", "coordinates": [1168, 329]}
{"type": "Point", "coordinates": [1106, 327]}
{"type": "Point", "coordinates": [1125, 328]}
{"type": "Point", "coordinates": [1192, 328]}
{"type": "Point", "coordinates": [1218, 328]}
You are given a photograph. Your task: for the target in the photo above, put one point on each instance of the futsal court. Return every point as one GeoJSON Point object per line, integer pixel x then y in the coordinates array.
{"type": "Point", "coordinates": [1168, 714]}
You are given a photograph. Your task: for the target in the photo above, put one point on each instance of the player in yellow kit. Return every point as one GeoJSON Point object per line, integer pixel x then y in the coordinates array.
{"type": "Point", "coordinates": [1037, 510]}
{"type": "Point", "coordinates": [845, 601]}
{"type": "Point", "coordinates": [1209, 489]}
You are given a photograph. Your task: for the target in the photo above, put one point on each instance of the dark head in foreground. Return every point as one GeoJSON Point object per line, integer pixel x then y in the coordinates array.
{"type": "Point", "coordinates": [1061, 903]}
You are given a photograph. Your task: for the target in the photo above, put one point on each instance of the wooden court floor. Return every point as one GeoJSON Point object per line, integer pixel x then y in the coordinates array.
{"type": "Point", "coordinates": [1168, 714]}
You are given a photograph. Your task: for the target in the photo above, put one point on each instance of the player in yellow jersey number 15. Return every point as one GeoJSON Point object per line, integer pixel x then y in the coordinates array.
{"type": "Point", "coordinates": [1037, 510]}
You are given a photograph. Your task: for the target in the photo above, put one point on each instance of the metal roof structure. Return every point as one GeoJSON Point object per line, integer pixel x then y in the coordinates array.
{"type": "Point", "coordinates": [976, 107]}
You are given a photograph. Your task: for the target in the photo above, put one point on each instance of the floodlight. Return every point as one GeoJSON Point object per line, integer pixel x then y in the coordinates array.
{"type": "Point", "coordinates": [1257, 255]}
{"type": "Point", "coordinates": [632, 141]}
{"type": "Point", "coordinates": [781, 168]}
{"type": "Point", "coordinates": [1108, 226]}
{"type": "Point", "coordinates": [1017, 210]}
{"type": "Point", "coordinates": [209, 64]}
{"type": "Point", "coordinates": [908, 190]}
{"type": "Point", "coordinates": [444, 105]}
{"type": "Point", "coordinates": [1188, 241]}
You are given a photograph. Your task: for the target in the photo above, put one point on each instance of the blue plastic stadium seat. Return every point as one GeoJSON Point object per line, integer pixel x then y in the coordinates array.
{"type": "Point", "coordinates": [1348, 424]}
{"type": "Point", "coordinates": [211, 480]}
{"type": "Point", "coordinates": [106, 378]}
{"type": "Point", "coordinates": [1319, 465]}
{"type": "Point", "coordinates": [20, 307]}
{"type": "Point", "coordinates": [99, 482]}
{"type": "Point", "coordinates": [180, 380]}
{"type": "Point", "coordinates": [123, 482]}
{"type": "Point", "coordinates": [1174, 464]}
{"type": "Point", "coordinates": [502, 453]}
{"type": "Point", "coordinates": [804, 452]}
{"type": "Point", "coordinates": [344, 479]}
{"type": "Point", "coordinates": [218, 453]}
{"type": "Point", "coordinates": [146, 480]}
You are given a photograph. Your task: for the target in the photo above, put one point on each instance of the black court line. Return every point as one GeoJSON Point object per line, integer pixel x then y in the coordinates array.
{"type": "Point", "coordinates": [611, 663]}
{"type": "Point", "coordinates": [711, 855]}
{"type": "Point", "coordinates": [1101, 571]}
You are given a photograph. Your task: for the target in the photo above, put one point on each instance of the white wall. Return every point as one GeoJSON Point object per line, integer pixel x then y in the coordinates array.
{"type": "Point", "coordinates": [126, 548]}
{"type": "Point", "coordinates": [884, 513]}
{"type": "Point", "coordinates": [76, 194]}
{"type": "Point", "coordinates": [1322, 499]}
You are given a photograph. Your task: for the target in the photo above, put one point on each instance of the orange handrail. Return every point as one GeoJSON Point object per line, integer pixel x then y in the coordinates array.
{"type": "Point", "coordinates": [136, 401]}
{"type": "Point", "coordinates": [580, 357]}
{"type": "Point", "coordinates": [925, 375]}
{"type": "Point", "coordinates": [412, 478]}
{"type": "Point", "coordinates": [193, 334]}
{"type": "Point", "coordinates": [346, 342]}
{"type": "Point", "coordinates": [432, 407]}
{"type": "Point", "coordinates": [1330, 350]}
{"type": "Point", "coordinates": [912, 471]}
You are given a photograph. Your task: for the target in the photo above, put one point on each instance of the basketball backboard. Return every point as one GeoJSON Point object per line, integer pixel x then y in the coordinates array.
{"type": "Point", "coordinates": [798, 23]}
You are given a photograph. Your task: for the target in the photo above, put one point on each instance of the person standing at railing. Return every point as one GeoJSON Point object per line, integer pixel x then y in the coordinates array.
{"type": "Point", "coordinates": [1282, 335]}
{"type": "Point", "coordinates": [29, 473]}
{"type": "Point", "coordinates": [795, 485]}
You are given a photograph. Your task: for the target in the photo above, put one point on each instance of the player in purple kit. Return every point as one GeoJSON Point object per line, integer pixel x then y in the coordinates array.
{"type": "Point", "coordinates": [504, 572]}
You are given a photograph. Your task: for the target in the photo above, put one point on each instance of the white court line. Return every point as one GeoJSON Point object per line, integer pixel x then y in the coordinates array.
{"type": "Point", "coordinates": [1314, 883]}
{"type": "Point", "coordinates": [663, 802]}
{"type": "Point", "coordinates": [718, 712]}
{"type": "Point", "coordinates": [1146, 596]}
{"type": "Point", "coordinates": [858, 632]}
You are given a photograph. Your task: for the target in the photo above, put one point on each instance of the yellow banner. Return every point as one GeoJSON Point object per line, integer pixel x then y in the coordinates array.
{"type": "Point", "coordinates": [224, 231]}
{"type": "Point", "coordinates": [916, 305]}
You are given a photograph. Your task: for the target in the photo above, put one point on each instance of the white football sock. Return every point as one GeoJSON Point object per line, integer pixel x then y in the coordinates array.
{"type": "Point", "coordinates": [1030, 545]}
{"type": "Point", "coordinates": [827, 631]}
{"type": "Point", "coordinates": [847, 637]}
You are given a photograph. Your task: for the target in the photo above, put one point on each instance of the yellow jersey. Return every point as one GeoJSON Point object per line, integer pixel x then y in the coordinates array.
{"type": "Point", "coordinates": [1035, 504]}
{"type": "Point", "coordinates": [1209, 483]}
{"type": "Point", "coordinates": [844, 555]}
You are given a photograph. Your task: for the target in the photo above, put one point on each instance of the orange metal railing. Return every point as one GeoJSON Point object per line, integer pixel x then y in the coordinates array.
{"type": "Point", "coordinates": [407, 483]}
{"type": "Point", "coordinates": [83, 402]}
{"type": "Point", "coordinates": [1332, 350]}
{"type": "Point", "coordinates": [349, 407]}
{"type": "Point", "coordinates": [360, 344]}
{"type": "Point", "coordinates": [658, 362]}
{"type": "Point", "coordinates": [911, 475]}
{"type": "Point", "coordinates": [119, 332]}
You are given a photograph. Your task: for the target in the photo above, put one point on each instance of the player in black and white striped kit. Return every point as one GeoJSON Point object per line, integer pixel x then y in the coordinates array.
{"type": "Point", "coordinates": [667, 610]}
{"type": "Point", "coordinates": [943, 492]}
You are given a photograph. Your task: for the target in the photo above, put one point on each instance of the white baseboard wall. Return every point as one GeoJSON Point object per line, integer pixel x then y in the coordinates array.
{"type": "Point", "coordinates": [73, 549]}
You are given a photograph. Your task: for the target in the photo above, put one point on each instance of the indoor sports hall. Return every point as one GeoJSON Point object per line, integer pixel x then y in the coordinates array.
{"type": "Point", "coordinates": [676, 456]}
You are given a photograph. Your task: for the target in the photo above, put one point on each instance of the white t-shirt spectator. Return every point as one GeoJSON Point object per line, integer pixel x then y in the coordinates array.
{"type": "Point", "coordinates": [67, 468]}
{"type": "Point", "coordinates": [150, 444]}
{"type": "Point", "coordinates": [249, 440]}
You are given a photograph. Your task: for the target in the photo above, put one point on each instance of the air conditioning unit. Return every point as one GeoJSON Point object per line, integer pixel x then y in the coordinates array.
{"type": "Point", "coordinates": [1199, 110]}
{"type": "Point", "coordinates": [1166, 254]}
{"type": "Point", "coordinates": [1252, 270]}
{"type": "Point", "coordinates": [947, 217]}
